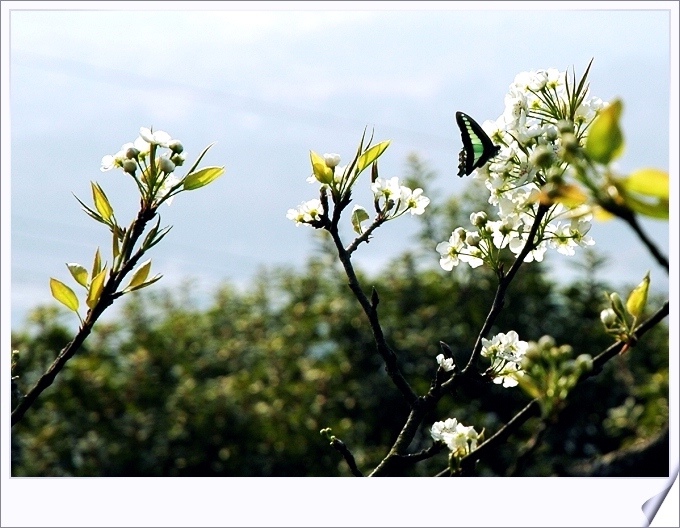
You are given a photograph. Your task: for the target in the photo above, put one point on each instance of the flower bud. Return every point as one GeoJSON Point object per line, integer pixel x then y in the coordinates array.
{"type": "Point", "coordinates": [130, 166]}
{"type": "Point", "coordinates": [166, 165]}
{"type": "Point", "coordinates": [542, 156]}
{"type": "Point", "coordinates": [555, 175]}
{"type": "Point", "coordinates": [472, 238]}
{"type": "Point", "coordinates": [176, 146]}
{"type": "Point", "coordinates": [617, 303]}
{"type": "Point", "coordinates": [570, 144]}
{"type": "Point", "coordinates": [331, 160]}
{"type": "Point", "coordinates": [546, 341]}
{"type": "Point", "coordinates": [584, 362]}
{"type": "Point", "coordinates": [178, 159]}
{"type": "Point", "coordinates": [565, 126]}
{"type": "Point", "coordinates": [131, 153]}
{"type": "Point", "coordinates": [608, 317]}
{"type": "Point", "coordinates": [478, 219]}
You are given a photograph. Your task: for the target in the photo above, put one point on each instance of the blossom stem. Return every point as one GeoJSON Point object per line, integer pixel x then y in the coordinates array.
{"type": "Point", "coordinates": [503, 284]}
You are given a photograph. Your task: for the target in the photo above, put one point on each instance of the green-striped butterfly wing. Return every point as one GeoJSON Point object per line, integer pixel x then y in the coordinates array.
{"type": "Point", "coordinates": [477, 146]}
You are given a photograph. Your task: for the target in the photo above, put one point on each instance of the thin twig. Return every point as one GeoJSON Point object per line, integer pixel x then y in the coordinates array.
{"type": "Point", "coordinates": [630, 218]}
{"type": "Point", "coordinates": [340, 446]}
{"type": "Point", "coordinates": [371, 311]}
{"type": "Point", "coordinates": [365, 235]}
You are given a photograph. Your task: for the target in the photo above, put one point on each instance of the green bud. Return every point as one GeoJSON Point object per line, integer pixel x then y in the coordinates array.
{"type": "Point", "coordinates": [555, 175]}
{"type": "Point", "coordinates": [565, 126]}
{"type": "Point", "coordinates": [176, 146]}
{"type": "Point", "coordinates": [542, 156]}
{"type": "Point", "coordinates": [178, 159]}
{"type": "Point", "coordinates": [617, 304]}
{"type": "Point", "coordinates": [584, 362]}
{"type": "Point", "coordinates": [166, 165]}
{"type": "Point", "coordinates": [130, 166]}
{"type": "Point", "coordinates": [570, 145]}
{"type": "Point", "coordinates": [546, 341]}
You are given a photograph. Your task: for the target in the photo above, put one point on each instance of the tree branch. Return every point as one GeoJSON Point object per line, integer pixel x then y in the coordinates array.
{"type": "Point", "coordinates": [371, 310]}
{"type": "Point", "coordinates": [503, 285]}
{"type": "Point", "coordinates": [340, 446]}
{"type": "Point", "coordinates": [108, 295]}
{"type": "Point", "coordinates": [533, 408]}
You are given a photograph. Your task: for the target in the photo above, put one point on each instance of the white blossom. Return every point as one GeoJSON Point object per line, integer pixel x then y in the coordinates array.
{"type": "Point", "coordinates": [445, 363]}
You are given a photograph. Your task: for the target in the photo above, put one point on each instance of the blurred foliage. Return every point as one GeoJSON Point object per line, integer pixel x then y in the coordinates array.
{"type": "Point", "coordinates": [242, 386]}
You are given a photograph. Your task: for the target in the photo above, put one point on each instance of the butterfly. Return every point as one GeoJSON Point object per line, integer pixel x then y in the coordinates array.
{"type": "Point", "coordinates": [477, 146]}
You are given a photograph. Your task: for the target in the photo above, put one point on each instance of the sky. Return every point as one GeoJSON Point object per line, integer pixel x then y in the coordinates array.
{"type": "Point", "coordinates": [269, 86]}
{"type": "Point", "coordinates": [268, 82]}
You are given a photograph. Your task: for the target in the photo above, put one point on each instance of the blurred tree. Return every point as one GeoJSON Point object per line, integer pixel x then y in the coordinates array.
{"type": "Point", "coordinates": [241, 387]}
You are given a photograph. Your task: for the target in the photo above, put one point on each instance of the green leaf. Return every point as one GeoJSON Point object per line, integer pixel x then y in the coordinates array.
{"type": "Point", "coordinates": [322, 172]}
{"type": "Point", "coordinates": [565, 193]}
{"type": "Point", "coordinates": [637, 300]}
{"type": "Point", "coordinates": [650, 182]}
{"type": "Point", "coordinates": [96, 288]}
{"type": "Point", "coordinates": [653, 208]}
{"type": "Point", "coordinates": [371, 155]}
{"type": "Point", "coordinates": [97, 264]}
{"type": "Point", "coordinates": [201, 178]}
{"type": "Point", "coordinates": [352, 166]}
{"type": "Point", "coordinates": [200, 157]}
{"type": "Point", "coordinates": [150, 242]}
{"type": "Point", "coordinates": [64, 294]}
{"type": "Point", "coordinates": [78, 272]}
{"type": "Point", "coordinates": [144, 285]}
{"type": "Point", "coordinates": [116, 244]}
{"type": "Point", "coordinates": [91, 212]}
{"type": "Point", "coordinates": [101, 202]}
{"type": "Point", "coordinates": [605, 138]}
{"type": "Point", "coordinates": [139, 276]}
{"type": "Point", "coordinates": [359, 215]}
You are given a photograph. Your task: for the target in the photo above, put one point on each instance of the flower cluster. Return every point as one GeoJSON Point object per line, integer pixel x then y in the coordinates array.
{"type": "Point", "coordinates": [546, 118]}
{"type": "Point", "coordinates": [505, 351]}
{"type": "Point", "coordinates": [551, 371]}
{"type": "Point", "coordinates": [306, 213]}
{"type": "Point", "coordinates": [157, 178]}
{"type": "Point", "coordinates": [460, 440]}
{"type": "Point", "coordinates": [391, 199]}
